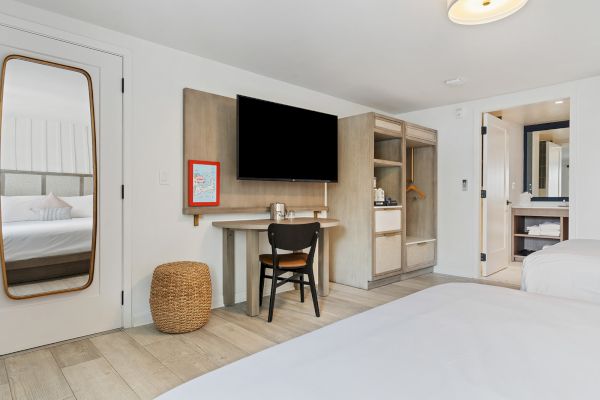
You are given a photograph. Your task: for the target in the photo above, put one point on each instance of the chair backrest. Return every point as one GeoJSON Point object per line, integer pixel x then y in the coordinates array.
{"type": "Point", "coordinates": [293, 237]}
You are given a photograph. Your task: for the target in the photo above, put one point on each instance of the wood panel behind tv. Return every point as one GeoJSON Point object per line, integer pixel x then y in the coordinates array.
{"type": "Point", "coordinates": [209, 134]}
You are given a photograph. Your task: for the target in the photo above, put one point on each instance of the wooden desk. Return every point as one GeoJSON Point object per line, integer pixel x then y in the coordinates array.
{"type": "Point", "coordinates": [252, 228]}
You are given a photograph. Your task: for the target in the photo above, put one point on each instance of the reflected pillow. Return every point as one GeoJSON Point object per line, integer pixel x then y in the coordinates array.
{"type": "Point", "coordinates": [18, 208]}
{"type": "Point", "coordinates": [51, 208]}
{"type": "Point", "coordinates": [83, 206]}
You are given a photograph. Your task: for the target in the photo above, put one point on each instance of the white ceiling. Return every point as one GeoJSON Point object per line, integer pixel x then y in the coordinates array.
{"type": "Point", "coordinates": [390, 54]}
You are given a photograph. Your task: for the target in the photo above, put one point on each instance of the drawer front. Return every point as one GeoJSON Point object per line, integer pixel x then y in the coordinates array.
{"type": "Point", "coordinates": [420, 134]}
{"type": "Point", "coordinates": [419, 255]}
{"type": "Point", "coordinates": [388, 253]}
{"type": "Point", "coordinates": [388, 220]}
{"type": "Point", "coordinates": [389, 125]}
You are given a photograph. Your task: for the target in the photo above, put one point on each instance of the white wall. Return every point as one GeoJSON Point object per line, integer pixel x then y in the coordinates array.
{"type": "Point", "coordinates": [459, 157]}
{"type": "Point", "coordinates": [159, 231]}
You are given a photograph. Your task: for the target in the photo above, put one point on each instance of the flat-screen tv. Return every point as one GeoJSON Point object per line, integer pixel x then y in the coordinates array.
{"type": "Point", "coordinates": [280, 142]}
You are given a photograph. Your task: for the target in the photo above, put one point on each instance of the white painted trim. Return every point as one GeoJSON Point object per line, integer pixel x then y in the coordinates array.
{"type": "Point", "coordinates": [552, 93]}
{"type": "Point", "coordinates": [125, 54]}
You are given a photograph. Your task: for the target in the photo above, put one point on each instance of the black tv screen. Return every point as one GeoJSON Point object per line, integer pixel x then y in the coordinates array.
{"type": "Point", "coordinates": [280, 142]}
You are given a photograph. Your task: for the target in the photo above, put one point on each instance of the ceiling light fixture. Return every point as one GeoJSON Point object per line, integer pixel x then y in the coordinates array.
{"type": "Point", "coordinates": [559, 102]}
{"type": "Point", "coordinates": [477, 12]}
{"type": "Point", "coordinates": [455, 82]}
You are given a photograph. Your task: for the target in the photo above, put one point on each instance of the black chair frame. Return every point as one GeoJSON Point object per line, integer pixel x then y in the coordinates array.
{"type": "Point", "coordinates": [291, 238]}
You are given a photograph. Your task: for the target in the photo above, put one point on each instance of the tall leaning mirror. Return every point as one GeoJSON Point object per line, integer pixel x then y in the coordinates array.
{"type": "Point", "coordinates": [47, 178]}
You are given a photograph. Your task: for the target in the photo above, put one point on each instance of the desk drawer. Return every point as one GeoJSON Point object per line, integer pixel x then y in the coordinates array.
{"type": "Point", "coordinates": [388, 253]}
{"type": "Point", "coordinates": [420, 255]}
{"type": "Point", "coordinates": [388, 220]}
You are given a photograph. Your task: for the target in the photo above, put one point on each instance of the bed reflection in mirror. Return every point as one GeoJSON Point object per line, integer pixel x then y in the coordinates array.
{"type": "Point", "coordinates": [47, 188]}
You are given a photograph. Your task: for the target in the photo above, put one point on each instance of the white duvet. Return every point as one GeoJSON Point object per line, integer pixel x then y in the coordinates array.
{"type": "Point", "coordinates": [568, 269]}
{"type": "Point", "coordinates": [34, 239]}
{"type": "Point", "coordinates": [454, 341]}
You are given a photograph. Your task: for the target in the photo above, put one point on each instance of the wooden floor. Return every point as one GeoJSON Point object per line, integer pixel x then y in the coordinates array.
{"type": "Point", "coordinates": [141, 363]}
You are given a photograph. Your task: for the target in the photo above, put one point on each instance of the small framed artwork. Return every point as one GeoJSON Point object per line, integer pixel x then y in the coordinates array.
{"type": "Point", "coordinates": [204, 183]}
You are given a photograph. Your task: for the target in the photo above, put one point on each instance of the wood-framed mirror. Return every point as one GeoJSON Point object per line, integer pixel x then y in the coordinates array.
{"type": "Point", "coordinates": [48, 178]}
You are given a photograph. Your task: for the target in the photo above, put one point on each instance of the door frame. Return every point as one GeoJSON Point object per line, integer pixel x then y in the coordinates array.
{"type": "Point", "coordinates": [73, 39]}
{"type": "Point", "coordinates": [524, 98]}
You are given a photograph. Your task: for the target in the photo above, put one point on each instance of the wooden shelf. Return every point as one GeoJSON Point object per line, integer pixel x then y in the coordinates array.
{"type": "Point", "coordinates": [237, 210]}
{"type": "Point", "coordinates": [526, 235]}
{"type": "Point", "coordinates": [378, 163]}
{"type": "Point", "coordinates": [417, 239]}
{"type": "Point", "coordinates": [387, 208]}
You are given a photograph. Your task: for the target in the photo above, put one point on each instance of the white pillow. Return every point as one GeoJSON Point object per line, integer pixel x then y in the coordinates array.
{"type": "Point", "coordinates": [51, 208]}
{"type": "Point", "coordinates": [83, 206]}
{"type": "Point", "coordinates": [18, 208]}
{"type": "Point", "coordinates": [53, 213]}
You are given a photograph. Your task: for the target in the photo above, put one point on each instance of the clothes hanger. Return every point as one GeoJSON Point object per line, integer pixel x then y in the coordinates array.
{"type": "Point", "coordinates": [411, 186]}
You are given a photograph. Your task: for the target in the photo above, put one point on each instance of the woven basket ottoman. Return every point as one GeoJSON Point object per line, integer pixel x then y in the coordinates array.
{"type": "Point", "coordinates": [180, 296]}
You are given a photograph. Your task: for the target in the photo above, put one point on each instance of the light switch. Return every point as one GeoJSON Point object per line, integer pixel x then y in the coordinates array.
{"type": "Point", "coordinates": [163, 177]}
{"type": "Point", "coordinates": [465, 185]}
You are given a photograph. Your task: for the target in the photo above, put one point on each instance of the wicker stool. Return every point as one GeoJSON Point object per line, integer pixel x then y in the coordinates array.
{"type": "Point", "coordinates": [181, 296]}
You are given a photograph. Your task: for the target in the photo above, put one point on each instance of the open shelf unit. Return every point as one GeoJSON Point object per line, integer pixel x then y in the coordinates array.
{"type": "Point", "coordinates": [523, 217]}
{"type": "Point", "coordinates": [371, 250]}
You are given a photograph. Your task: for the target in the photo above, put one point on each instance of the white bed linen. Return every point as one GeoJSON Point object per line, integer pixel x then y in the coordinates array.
{"type": "Point", "coordinates": [454, 341]}
{"type": "Point", "coordinates": [568, 269]}
{"type": "Point", "coordinates": [33, 239]}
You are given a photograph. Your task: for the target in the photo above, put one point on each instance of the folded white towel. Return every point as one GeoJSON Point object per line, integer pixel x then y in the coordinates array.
{"type": "Point", "coordinates": [550, 225]}
{"type": "Point", "coordinates": [550, 233]}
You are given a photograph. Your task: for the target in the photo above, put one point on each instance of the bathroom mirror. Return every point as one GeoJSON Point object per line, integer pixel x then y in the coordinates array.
{"type": "Point", "coordinates": [47, 178]}
{"type": "Point", "coordinates": [547, 161]}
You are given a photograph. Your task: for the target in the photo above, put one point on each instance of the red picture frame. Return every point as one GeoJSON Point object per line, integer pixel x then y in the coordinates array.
{"type": "Point", "coordinates": [201, 197]}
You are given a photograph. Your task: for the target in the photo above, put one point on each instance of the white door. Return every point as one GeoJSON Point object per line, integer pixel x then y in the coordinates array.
{"type": "Point", "coordinates": [554, 173]}
{"type": "Point", "coordinates": [495, 203]}
{"type": "Point", "coordinates": [42, 320]}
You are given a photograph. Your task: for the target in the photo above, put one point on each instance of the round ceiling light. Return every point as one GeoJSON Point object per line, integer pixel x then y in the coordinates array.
{"type": "Point", "coordinates": [476, 12]}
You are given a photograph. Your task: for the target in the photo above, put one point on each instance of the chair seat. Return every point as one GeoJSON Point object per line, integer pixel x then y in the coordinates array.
{"type": "Point", "coordinates": [292, 260]}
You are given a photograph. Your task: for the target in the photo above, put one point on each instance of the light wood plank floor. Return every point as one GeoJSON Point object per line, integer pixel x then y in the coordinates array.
{"type": "Point", "coordinates": [141, 363]}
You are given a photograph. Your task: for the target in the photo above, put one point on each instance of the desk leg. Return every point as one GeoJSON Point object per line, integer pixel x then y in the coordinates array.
{"type": "Point", "coordinates": [324, 262]}
{"type": "Point", "coordinates": [252, 273]}
{"type": "Point", "coordinates": [228, 267]}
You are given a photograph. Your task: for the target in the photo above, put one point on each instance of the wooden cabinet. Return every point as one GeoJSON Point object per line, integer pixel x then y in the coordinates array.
{"type": "Point", "coordinates": [370, 247]}
{"type": "Point", "coordinates": [525, 243]}
{"type": "Point", "coordinates": [388, 219]}
{"type": "Point", "coordinates": [388, 253]}
{"type": "Point", "coordinates": [420, 253]}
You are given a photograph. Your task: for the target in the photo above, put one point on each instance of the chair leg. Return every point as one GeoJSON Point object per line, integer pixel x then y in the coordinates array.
{"type": "Point", "coordinates": [272, 298]}
{"type": "Point", "coordinates": [313, 291]}
{"type": "Point", "coordinates": [302, 287]}
{"type": "Point", "coordinates": [261, 284]}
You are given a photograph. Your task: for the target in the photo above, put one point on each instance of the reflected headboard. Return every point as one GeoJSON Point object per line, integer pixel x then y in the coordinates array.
{"type": "Point", "coordinates": [31, 183]}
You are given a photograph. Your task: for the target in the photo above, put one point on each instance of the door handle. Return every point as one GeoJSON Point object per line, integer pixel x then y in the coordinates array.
{"type": "Point", "coordinates": [508, 202]}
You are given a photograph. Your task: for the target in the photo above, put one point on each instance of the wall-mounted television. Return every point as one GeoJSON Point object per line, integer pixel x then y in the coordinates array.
{"type": "Point", "coordinates": [281, 142]}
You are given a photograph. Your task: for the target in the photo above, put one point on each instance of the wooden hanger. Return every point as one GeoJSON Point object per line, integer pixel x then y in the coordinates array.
{"type": "Point", "coordinates": [411, 186]}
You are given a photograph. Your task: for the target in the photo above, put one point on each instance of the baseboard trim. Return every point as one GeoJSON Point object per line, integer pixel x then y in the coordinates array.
{"type": "Point", "coordinates": [400, 277]}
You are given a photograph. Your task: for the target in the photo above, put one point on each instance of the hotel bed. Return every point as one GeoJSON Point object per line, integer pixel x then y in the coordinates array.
{"type": "Point", "coordinates": [568, 269]}
{"type": "Point", "coordinates": [35, 239]}
{"type": "Point", "coordinates": [454, 341]}
{"type": "Point", "coordinates": [40, 250]}
{"type": "Point", "coordinates": [36, 250]}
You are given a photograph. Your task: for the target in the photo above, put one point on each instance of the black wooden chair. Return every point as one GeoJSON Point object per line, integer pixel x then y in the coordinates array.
{"type": "Point", "coordinates": [292, 238]}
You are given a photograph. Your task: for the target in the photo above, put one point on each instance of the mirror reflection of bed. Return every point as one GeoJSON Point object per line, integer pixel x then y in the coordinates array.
{"type": "Point", "coordinates": [46, 179]}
